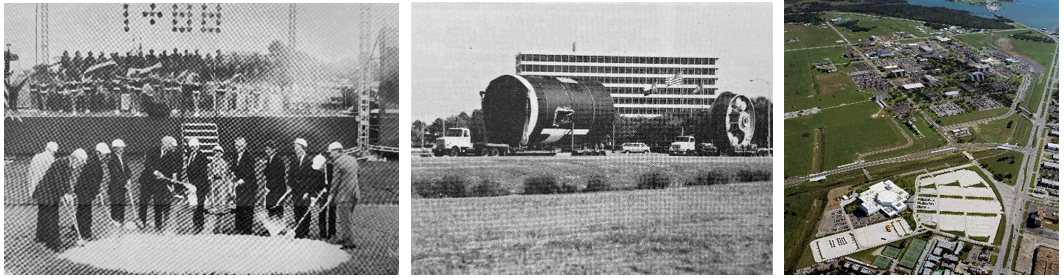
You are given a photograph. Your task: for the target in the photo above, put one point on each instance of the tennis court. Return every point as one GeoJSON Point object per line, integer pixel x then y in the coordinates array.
{"type": "Point", "coordinates": [912, 254]}
{"type": "Point", "coordinates": [891, 252]}
{"type": "Point", "coordinates": [882, 262]}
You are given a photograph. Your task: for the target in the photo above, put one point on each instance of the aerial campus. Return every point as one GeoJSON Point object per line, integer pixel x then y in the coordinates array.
{"type": "Point", "coordinates": [919, 145]}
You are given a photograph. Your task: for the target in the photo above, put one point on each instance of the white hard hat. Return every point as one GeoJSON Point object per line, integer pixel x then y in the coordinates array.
{"type": "Point", "coordinates": [335, 145]}
{"type": "Point", "coordinates": [317, 162]}
{"type": "Point", "coordinates": [79, 154]}
{"type": "Point", "coordinates": [218, 149]}
{"type": "Point", "coordinates": [52, 146]}
{"type": "Point", "coordinates": [193, 142]}
{"type": "Point", "coordinates": [169, 141]}
{"type": "Point", "coordinates": [102, 148]}
{"type": "Point", "coordinates": [118, 143]}
{"type": "Point", "coordinates": [301, 141]}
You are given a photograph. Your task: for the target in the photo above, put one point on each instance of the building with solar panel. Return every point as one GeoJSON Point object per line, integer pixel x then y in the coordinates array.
{"type": "Point", "coordinates": [642, 86]}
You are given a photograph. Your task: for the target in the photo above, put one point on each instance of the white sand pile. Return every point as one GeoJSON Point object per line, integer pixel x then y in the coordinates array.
{"type": "Point", "coordinates": [208, 254]}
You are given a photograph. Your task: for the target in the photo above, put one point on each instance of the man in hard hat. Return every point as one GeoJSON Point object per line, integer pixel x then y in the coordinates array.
{"type": "Point", "coordinates": [53, 189]}
{"type": "Point", "coordinates": [347, 194]}
{"type": "Point", "coordinates": [275, 182]}
{"type": "Point", "coordinates": [322, 179]}
{"type": "Point", "coordinates": [243, 166]}
{"type": "Point", "coordinates": [88, 187]}
{"type": "Point", "coordinates": [40, 163]}
{"type": "Point", "coordinates": [299, 180]}
{"type": "Point", "coordinates": [119, 182]}
{"type": "Point", "coordinates": [195, 172]}
{"type": "Point", "coordinates": [161, 163]}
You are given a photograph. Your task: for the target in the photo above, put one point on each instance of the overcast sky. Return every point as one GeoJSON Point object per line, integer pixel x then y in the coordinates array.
{"type": "Point", "coordinates": [457, 48]}
{"type": "Point", "coordinates": [326, 31]}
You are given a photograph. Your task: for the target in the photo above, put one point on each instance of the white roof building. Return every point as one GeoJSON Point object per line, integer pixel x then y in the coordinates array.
{"type": "Point", "coordinates": [912, 86]}
{"type": "Point", "coordinates": [884, 197]}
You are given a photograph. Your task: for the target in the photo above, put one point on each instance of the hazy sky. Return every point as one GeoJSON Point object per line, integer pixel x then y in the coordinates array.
{"type": "Point", "coordinates": [457, 48]}
{"type": "Point", "coordinates": [326, 31]}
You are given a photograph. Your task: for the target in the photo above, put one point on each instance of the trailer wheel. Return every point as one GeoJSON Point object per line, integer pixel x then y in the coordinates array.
{"type": "Point", "coordinates": [455, 151]}
{"type": "Point", "coordinates": [493, 152]}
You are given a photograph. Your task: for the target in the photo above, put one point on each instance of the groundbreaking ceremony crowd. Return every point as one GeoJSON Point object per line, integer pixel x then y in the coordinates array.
{"type": "Point", "coordinates": [212, 182]}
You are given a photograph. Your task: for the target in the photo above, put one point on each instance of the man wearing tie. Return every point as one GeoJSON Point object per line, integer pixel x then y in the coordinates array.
{"type": "Point", "coordinates": [300, 174]}
{"type": "Point", "coordinates": [275, 182]}
{"type": "Point", "coordinates": [164, 162]}
{"type": "Point", "coordinates": [243, 166]}
{"type": "Point", "coordinates": [118, 186]}
{"type": "Point", "coordinates": [195, 172]}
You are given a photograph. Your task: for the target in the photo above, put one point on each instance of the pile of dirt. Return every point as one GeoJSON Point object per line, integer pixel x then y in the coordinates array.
{"type": "Point", "coordinates": [208, 254]}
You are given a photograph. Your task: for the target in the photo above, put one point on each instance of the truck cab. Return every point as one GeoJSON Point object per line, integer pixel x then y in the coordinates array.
{"type": "Point", "coordinates": [454, 142]}
{"type": "Point", "coordinates": [683, 145]}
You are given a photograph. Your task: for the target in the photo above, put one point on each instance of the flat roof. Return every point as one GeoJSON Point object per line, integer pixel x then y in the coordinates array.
{"type": "Point", "coordinates": [912, 86]}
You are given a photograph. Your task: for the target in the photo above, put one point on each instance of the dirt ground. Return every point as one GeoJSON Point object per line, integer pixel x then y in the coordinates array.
{"type": "Point", "coordinates": [831, 83]}
{"type": "Point", "coordinates": [835, 195]}
{"type": "Point", "coordinates": [1026, 254]}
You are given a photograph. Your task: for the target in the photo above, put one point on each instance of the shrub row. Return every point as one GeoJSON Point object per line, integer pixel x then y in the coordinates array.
{"type": "Point", "coordinates": [456, 186]}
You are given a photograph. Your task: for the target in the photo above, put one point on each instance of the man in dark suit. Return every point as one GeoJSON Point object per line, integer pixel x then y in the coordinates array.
{"type": "Point", "coordinates": [118, 186]}
{"type": "Point", "coordinates": [243, 166]}
{"type": "Point", "coordinates": [159, 163]}
{"type": "Point", "coordinates": [50, 191]}
{"type": "Point", "coordinates": [88, 187]}
{"type": "Point", "coordinates": [300, 177]}
{"type": "Point", "coordinates": [194, 170]}
{"type": "Point", "coordinates": [275, 182]}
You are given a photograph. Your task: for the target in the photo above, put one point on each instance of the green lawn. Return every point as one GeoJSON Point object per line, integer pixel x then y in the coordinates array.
{"type": "Point", "coordinates": [1000, 131]}
{"type": "Point", "coordinates": [1038, 51]}
{"type": "Point", "coordinates": [848, 130]}
{"type": "Point", "coordinates": [1034, 97]}
{"type": "Point", "coordinates": [808, 36]}
{"type": "Point", "coordinates": [801, 84]}
{"type": "Point", "coordinates": [970, 116]}
{"type": "Point", "coordinates": [929, 139]}
{"type": "Point", "coordinates": [882, 27]}
{"type": "Point", "coordinates": [1006, 165]}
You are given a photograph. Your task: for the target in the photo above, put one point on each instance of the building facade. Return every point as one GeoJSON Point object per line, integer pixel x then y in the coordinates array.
{"type": "Point", "coordinates": [641, 86]}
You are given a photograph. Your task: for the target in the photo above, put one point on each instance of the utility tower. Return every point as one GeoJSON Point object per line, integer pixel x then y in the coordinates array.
{"type": "Point", "coordinates": [365, 50]}
{"type": "Point", "coordinates": [41, 51]}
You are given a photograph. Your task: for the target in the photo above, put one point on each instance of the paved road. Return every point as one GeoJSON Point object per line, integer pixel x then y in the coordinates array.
{"type": "Point", "coordinates": [903, 158]}
{"type": "Point", "coordinates": [1015, 215]}
{"type": "Point", "coordinates": [491, 162]}
{"type": "Point", "coordinates": [816, 47]}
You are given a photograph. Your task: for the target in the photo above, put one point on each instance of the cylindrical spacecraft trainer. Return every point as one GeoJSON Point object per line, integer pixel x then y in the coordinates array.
{"type": "Point", "coordinates": [731, 121]}
{"type": "Point", "coordinates": [531, 110]}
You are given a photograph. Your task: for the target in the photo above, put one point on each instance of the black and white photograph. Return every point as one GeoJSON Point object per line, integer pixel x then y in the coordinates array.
{"type": "Point", "coordinates": [591, 138]}
{"type": "Point", "coordinates": [196, 138]}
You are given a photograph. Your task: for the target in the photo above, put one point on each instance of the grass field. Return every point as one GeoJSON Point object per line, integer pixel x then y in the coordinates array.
{"type": "Point", "coordinates": [883, 27]}
{"type": "Point", "coordinates": [1010, 166]}
{"type": "Point", "coordinates": [377, 230]}
{"type": "Point", "coordinates": [848, 130]}
{"type": "Point", "coordinates": [688, 230]}
{"type": "Point", "coordinates": [912, 253]}
{"type": "Point", "coordinates": [1034, 97]}
{"type": "Point", "coordinates": [970, 116]}
{"type": "Point", "coordinates": [930, 139]}
{"type": "Point", "coordinates": [1000, 131]}
{"type": "Point", "coordinates": [807, 87]}
{"type": "Point", "coordinates": [808, 36]}
{"type": "Point", "coordinates": [1038, 51]}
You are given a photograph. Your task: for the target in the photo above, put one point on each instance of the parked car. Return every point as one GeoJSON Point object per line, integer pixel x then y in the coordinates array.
{"type": "Point", "coordinates": [635, 147]}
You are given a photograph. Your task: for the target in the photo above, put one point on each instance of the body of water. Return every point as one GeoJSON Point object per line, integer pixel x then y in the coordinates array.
{"type": "Point", "coordinates": [1033, 13]}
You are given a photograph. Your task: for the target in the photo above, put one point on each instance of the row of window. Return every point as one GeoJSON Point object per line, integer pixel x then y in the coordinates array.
{"type": "Point", "coordinates": [647, 100]}
{"type": "Point", "coordinates": [643, 80]}
{"type": "Point", "coordinates": [613, 69]}
{"type": "Point", "coordinates": [663, 91]}
{"type": "Point", "coordinates": [616, 59]}
{"type": "Point", "coordinates": [655, 111]}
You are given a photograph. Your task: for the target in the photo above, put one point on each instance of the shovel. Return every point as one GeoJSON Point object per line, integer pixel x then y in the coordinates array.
{"type": "Point", "coordinates": [130, 225]}
{"type": "Point", "coordinates": [81, 241]}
